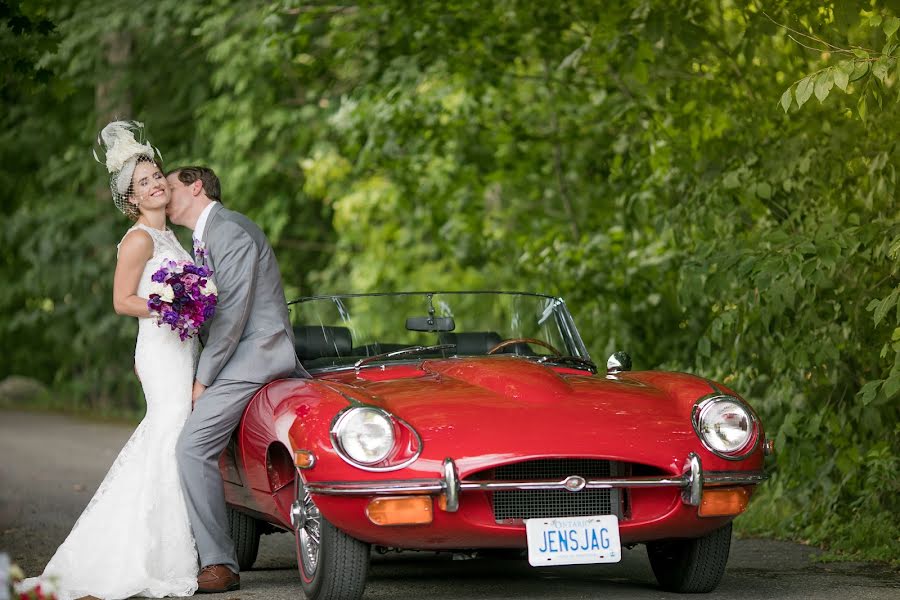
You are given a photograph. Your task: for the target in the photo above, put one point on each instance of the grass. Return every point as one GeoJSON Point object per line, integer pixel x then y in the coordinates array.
{"type": "Point", "coordinates": [19, 393]}
{"type": "Point", "coordinates": [846, 535]}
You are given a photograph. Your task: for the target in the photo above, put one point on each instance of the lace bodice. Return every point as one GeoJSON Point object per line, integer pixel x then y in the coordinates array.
{"type": "Point", "coordinates": [150, 335]}
{"type": "Point", "coordinates": [165, 247]}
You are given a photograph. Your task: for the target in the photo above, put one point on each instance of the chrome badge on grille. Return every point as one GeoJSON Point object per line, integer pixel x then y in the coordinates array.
{"type": "Point", "coordinates": [575, 483]}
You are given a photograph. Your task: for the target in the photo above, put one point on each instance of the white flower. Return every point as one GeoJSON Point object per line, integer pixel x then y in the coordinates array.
{"type": "Point", "coordinates": [167, 295]}
{"type": "Point", "coordinates": [209, 288]}
{"type": "Point", "coordinates": [157, 287]}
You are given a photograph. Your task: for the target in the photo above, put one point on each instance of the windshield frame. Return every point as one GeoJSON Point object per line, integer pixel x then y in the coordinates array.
{"type": "Point", "coordinates": [564, 318]}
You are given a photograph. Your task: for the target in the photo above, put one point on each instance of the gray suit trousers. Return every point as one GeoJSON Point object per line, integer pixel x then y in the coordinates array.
{"type": "Point", "coordinates": [206, 433]}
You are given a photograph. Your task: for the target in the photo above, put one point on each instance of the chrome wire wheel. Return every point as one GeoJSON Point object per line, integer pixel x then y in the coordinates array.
{"type": "Point", "coordinates": [332, 565]}
{"type": "Point", "coordinates": [308, 529]}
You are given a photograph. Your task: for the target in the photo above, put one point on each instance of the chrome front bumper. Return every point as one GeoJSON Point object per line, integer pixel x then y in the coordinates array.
{"type": "Point", "coordinates": [691, 482]}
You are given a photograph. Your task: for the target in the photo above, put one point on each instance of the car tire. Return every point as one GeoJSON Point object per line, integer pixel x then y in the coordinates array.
{"type": "Point", "coordinates": [341, 563]}
{"type": "Point", "coordinates": [691, 566]}
{"type": "Point", "coordinates": [245, 532]}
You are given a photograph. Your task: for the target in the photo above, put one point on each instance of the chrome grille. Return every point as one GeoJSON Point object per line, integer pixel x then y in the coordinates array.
{"type": "Point", "coordinates": [554, 468]}
{"type": "Point", "coordinates": [514, 505]}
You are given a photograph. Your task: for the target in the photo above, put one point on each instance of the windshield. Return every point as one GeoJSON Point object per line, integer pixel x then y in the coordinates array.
{"type": "Point", "coordinates": [338, 331]}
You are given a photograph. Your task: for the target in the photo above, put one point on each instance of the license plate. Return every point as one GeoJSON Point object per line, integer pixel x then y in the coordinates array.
{"type": "Point", "coordinates": [573, 540]}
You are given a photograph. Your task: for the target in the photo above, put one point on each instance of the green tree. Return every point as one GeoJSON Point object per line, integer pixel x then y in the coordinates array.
{"type": "Point", "coordinates": [641, 158]}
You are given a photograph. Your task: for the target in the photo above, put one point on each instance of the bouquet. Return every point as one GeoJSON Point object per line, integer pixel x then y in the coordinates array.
{"type": "Point", "coordinates": [182, 296]}
{"type": "Point", "coordinates": [11, 577]}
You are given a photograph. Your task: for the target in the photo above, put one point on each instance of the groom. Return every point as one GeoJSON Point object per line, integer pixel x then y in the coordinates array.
{"type": "Point", "coordinates": [249, 343]}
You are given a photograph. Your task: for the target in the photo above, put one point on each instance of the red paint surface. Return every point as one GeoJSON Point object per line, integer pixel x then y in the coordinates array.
{"type": "Point", "coordinates": [483, 413]}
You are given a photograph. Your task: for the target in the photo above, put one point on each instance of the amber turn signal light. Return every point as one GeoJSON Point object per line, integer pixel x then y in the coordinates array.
{"type": "Point", "coordinates": [723, 502]}
{"type": "Point", "coordinates": [304, 459]}
{"type": "Point", "coordinates": [415, 510]}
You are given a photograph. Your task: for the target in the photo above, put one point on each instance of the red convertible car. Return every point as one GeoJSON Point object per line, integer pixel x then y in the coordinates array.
{"type": "Point", "coordinates": [465, 421]}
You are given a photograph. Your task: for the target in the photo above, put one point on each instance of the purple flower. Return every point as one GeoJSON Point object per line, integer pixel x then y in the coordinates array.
{"type": "Point", "coordinates": [199, 250]}
{"type": "Point", "coordinates": [189, 307]}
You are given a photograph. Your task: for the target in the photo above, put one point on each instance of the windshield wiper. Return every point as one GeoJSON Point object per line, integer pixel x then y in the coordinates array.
{"type": "Point", "coordinates": [401, 352]}
{"type": "Point", "coordinates": [569, 360]}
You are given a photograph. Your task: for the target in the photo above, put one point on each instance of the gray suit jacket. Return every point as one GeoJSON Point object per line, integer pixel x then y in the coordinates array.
{"type": "Point", "coordinates": [250, 336]}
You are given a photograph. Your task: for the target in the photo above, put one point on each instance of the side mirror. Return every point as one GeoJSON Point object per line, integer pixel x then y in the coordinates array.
{"type": "Point", "coordinates": [618, 362]}
{"type": "Point", "coordinates": [430, 323]}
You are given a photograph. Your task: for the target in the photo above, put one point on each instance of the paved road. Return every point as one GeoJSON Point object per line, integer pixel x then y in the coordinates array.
{"type": "Point", "coordinates": [51, 466]}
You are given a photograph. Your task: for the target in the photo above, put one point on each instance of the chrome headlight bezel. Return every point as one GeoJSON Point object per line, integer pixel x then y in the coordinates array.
{"type": "Point", "coordinates": [701, 409]}
{"type": "Point", "coordinates": [405, 444]}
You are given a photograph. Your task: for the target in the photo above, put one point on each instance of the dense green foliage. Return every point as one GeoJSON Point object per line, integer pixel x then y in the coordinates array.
{"type": "Point", "coordinates": [654, 162]}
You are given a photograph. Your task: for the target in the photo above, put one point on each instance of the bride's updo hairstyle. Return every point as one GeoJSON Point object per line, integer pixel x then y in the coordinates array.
{"type": "Point", "coordinates": [123, 151]}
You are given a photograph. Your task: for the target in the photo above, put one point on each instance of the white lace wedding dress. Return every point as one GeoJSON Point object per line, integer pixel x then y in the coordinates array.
{"type": "Point", "coordinates": [134, 537]}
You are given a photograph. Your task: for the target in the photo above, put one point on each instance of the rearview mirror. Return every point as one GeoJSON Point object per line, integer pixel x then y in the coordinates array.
{"type": "Point", "coordinates": [430, 323]}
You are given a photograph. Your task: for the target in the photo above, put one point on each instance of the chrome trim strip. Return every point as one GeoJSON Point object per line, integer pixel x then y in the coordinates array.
{"type": "Point", "coordinates": [368, 488]}
{"type": "Point", "coordinates": [591, 484]}
{"type": "Point", "coordinates": [434, 486]}
{"type": "Point", "coordinates": [725, 478]}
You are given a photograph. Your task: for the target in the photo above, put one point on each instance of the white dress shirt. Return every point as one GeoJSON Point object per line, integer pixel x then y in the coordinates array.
{"type": "Point", "coordinates": [201, 222]}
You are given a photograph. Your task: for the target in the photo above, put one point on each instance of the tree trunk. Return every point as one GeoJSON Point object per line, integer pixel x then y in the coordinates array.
{"type": "Point", "coordinates": [112, 98]}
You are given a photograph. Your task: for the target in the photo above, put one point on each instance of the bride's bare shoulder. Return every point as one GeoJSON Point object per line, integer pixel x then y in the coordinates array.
{"type": "Point", "coordinates": [136, 243]}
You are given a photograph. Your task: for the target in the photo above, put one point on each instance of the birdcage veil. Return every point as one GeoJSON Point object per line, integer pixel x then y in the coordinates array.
{"type": "Point", "coordinates": [123, 146]}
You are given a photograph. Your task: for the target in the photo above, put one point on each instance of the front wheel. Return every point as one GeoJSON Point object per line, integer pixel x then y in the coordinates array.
{"type": "Point", "coordinates": [333, 565]}
{"type": "Point", "coordinates": [691, 566]}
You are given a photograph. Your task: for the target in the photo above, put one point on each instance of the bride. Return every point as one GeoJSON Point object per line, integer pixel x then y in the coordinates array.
{"type": "Point", "coordinates": [134, 537]}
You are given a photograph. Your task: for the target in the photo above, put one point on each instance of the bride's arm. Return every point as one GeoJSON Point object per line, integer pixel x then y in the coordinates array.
{"type": "Point", "coordinates": [134, 252]}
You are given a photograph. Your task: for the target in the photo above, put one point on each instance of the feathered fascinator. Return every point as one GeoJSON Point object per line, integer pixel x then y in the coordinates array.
{"type": "Point", "coordinates": [122, 151]}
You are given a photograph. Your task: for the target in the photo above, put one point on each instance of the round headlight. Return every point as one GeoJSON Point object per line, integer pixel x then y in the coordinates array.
{"type": "Point", "coordinates": [725, 425]}
{"type": "Point", "coordinates": [365, 435]}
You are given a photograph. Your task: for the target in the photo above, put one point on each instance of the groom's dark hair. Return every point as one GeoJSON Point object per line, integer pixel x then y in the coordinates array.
{"type": "Point", "coordinates": [188, 175]}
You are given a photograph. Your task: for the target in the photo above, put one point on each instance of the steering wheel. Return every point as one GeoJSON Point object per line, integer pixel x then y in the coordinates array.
{"type": "Point", "coordinates": [511, 341]}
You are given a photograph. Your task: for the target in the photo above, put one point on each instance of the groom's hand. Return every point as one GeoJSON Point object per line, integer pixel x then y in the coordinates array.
{"type": "Point", "coordinates": [198, 390]}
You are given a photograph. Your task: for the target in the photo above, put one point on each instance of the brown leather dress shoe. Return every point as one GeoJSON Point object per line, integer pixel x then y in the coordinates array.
{"type": "Point", "coordinates": [217, 578]}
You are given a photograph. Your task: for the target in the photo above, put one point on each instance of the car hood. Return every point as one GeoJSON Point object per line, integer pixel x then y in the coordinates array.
{"type": "Point", "coordinates": [484, 407]}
